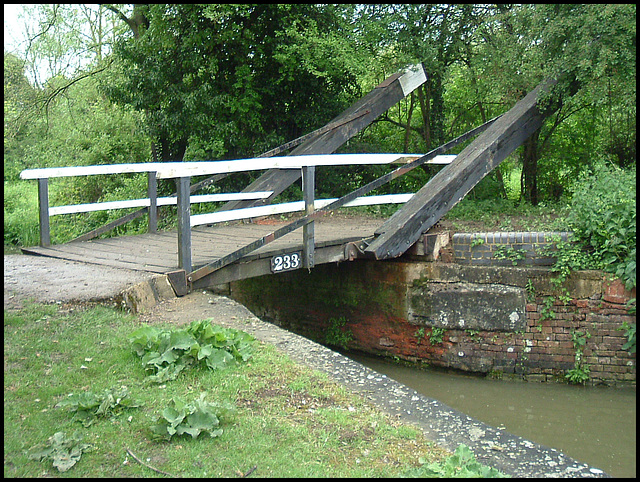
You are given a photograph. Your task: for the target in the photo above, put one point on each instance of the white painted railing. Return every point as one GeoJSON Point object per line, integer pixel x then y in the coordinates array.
{"type": "Point", "coordinates": [183, 171]}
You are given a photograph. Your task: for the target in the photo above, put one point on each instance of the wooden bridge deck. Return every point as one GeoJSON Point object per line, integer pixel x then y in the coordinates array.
{"type": "Point", "coordinates": [158, 253]}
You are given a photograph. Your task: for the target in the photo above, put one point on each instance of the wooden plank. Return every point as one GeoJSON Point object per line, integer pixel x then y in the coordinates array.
{"type": "Point", "coordinates": [184, 227]}
{"type": "Point", "coordinates": [453, 182]}
{"type": "Point", "coordinates": [308, 233]}
{"type": "Point", "coordinates": [152, 194]}
{"type": "Point", "coordinates": [169, 170]}
{"type": "Point", "coordinates": [135, 254]}
{"type": "Point", "coordinates": [200, 168]}
{"type": "Point", "coordinates": [82, 257]}
{"type": "Point", "coordinates": [261, 266]}
{"type": "Point", "coordinates": [332, 125]}
{"type": "Point", "coordinates": [43, 212]}
{"type": "Point", "coordinates": [376, 102]}
{"type": "Point", "coordinates": [49, 172]}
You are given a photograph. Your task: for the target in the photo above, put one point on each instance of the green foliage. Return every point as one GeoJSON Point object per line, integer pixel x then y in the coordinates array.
{"type": "Point", "coordinates": [283, 408]}
{"type": "Point", "coordinates": [199, 73]}
{"type": "Point", "coordinates": [630, 333]}
{"type": "Point", "coordinates": [477, 241]}
{"type": "Point", "coordinates": [579, 374]}
{"type": "Point", "coordinates": [336, 335]}
{"type": "Point", "coordinates": [21, 224]}
{"type": "Point", "coordinates": [603, 218]}
{"type": "Point", "coordinates": [570, 256]}
{"type": "Point", "coordinates": [508, 252]}
{"type": "Point", "coordinates": [88, 405]}
{"type": "Point", "coordinates": [166, 353]}
{"type": "Point", "coordinates": [195, 418]}
{"type": "Point", "coordinates": [462, 464]}
{"type": "Point", "coordinates": [436, 335]}
{"type": "Point", "coordinates": [64, 451]}
{"type": "Point", "coordinates": [546, 312]}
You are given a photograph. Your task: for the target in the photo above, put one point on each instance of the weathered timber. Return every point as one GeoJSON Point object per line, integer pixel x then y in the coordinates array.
{"type": "Point", "coordinates": [454, 181]}
{"type": "Point", "coordinates": [43, 211]}
{"type": "Point", "coordinates": [299, 140]}
{"type": "Point", "coordinates": [210, 268]}
{"type": "Point", "coordinates": [379, 100]}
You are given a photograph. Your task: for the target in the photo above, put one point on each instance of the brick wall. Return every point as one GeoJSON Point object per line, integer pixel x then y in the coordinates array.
{"type": "Point", "coordinates": [490, 249]}
{"type": "Point", "coordinates": [376, 300]}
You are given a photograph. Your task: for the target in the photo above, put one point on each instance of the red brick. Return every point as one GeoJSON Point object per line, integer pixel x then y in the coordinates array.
{"type": "Point", "coordinates": [582, 303]}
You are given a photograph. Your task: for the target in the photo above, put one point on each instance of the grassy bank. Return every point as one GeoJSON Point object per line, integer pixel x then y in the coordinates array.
{"type": "Point", "coordinates": [289, 421]}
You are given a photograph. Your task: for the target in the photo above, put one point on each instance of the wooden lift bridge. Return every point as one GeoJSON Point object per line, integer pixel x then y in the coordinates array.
{"type": "Point", "coordinates": [207, 250]}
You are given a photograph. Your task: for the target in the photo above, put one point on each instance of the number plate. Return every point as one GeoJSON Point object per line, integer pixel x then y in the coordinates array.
{"type": "Point", "coordinates": [286, 262]}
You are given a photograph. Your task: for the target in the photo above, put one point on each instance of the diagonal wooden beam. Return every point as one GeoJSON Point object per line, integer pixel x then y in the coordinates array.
{"type": "Point", "coordinates": [236, 255]}
{"type": "Point", "coordinates": [454, 181]}
{"type": "Point", "coordinates": [363, 112]}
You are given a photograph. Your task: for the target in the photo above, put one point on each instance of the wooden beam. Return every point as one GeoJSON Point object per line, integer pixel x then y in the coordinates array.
{"type": "Point", "coordinates": [184, 226]}
{"type": "Point", "coordinates": [376, 102]}
{"type": "Point", "coordinates": [454, 181]}
{"type": "Point", "coordinates": [43, 212]}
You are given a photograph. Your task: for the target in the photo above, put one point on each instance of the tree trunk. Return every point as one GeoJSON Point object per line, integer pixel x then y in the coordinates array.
{"type": "Point", "coordinates": [407, 132]}
{"type": "Point", "coordinates": [529, 180]}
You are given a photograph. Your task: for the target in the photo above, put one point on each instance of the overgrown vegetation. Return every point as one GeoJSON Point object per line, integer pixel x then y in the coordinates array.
{"type": "Point", "coordinates": [579, 374]}
{"type": "Point", "coordinates": [88, 406]}
{"type": "Point", "coordinates": [603, 219]}
{"type": "Point", "coordinates": [166, 353]}
{"type": "Point", "coordinates": [462, 464]}
{"type": "Point", "coordinates": [195, 418]}
{"type": "Point", "coordinates": [337, 335]}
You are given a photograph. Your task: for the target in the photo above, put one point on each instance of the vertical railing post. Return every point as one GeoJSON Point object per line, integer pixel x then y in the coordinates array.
{"type": "Point", "coordinates": [152, 193]}
{"type": "Point", "coordinates": [308, 231]}
{"type": "Point", "coordinates": [184, 223]}
{"type": "Point", "coordinates": [43, 211]}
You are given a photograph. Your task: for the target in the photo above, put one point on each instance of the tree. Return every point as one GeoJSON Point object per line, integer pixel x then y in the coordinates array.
{"type": "Point", "coordinates": [431, 34]}
{"type": "Point", "coordinates": [234, 78]}
{"type": "Point", "coordinates": [591, 48]}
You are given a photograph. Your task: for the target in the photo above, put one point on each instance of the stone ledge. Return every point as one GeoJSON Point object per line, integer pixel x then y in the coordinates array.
{"type": "Point", "coordinates": [144, 296]}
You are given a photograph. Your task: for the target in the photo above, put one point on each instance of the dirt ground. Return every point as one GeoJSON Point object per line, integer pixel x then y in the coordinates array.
{"type": "Point", "coordinates": [51, 280]}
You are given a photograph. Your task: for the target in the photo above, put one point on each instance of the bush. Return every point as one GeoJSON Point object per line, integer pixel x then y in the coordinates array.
{"type": "Point", "coordinates": [603, 218]}
{"type": "Point", "coordinates": [21, 225]}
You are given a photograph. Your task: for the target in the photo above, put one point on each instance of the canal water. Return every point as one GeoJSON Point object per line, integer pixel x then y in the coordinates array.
{"type": "Point", "coordinates": [595, 425]}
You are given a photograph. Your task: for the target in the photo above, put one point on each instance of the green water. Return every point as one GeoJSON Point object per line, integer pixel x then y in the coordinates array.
{"type": "Point", "coordinates": [595, 425]}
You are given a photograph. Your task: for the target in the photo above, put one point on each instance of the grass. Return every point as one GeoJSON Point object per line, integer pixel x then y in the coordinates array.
{"type": "Point", "coordinates": [290, 421]}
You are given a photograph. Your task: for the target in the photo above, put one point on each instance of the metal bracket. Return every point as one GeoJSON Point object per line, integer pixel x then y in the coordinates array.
{"type": "Point", "coordinates": [354, 250]}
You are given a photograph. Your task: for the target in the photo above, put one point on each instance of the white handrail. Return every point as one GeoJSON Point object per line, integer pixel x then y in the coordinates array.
{"type": "Point", "coordinates": [184, 171]}
{"type": "Point", "coordinates": [162, 201]}
{"type": "Point", "coordinates": [290, 207]}
{"type": "Point", "coordinates": [196, 168]}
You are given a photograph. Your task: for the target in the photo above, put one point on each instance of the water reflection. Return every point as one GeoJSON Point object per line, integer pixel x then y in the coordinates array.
{"type": "Point", "coordinates": [595, 425]}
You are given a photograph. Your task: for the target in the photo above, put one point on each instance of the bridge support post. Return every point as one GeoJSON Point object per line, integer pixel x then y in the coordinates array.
{"type": "Point", "coordinates": [308, 230]}
{"type": "Point", "coordinates": [184, 223]}
{"type": "Point", "coordinates": [152, 192]}
{"type": "Point", "coordinates": [43, 203]}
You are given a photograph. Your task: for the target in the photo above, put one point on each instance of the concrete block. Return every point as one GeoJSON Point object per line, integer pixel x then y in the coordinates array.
{"type": "Point", "coordinates": [487, 307]}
